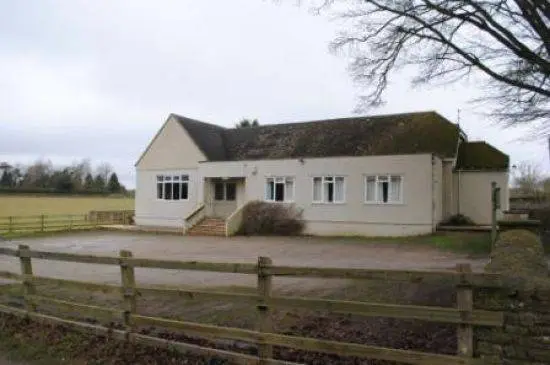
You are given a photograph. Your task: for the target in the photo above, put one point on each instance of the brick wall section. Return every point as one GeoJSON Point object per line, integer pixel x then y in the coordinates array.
{"type": "Point", "coordinates": [525, 337]}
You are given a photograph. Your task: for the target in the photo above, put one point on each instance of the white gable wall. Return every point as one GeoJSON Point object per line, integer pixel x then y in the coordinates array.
{"type": "Point", "coordinates": [474, 193]}
{"type": "Point", "coordinates": [415, 215]}
{"type": "Point", "coordinates": [172, 152]}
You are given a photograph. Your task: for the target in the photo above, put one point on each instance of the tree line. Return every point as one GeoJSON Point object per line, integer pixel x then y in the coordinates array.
{"type": "Point", "coordinates": [530, 181]}
{"type": "Point", "coordinates": [43, 176]}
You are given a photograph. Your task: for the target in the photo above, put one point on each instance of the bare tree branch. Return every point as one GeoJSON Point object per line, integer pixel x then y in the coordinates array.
{"type": "Point", "coordinates": [505, 42]}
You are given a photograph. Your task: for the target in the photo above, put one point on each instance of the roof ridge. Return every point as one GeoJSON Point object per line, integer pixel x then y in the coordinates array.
{"type": "Point", "coordinates": [376, 116]}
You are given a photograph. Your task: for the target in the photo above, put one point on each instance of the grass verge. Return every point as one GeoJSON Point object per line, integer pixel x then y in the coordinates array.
{"type": "Point", "coordinates": [472, 243]}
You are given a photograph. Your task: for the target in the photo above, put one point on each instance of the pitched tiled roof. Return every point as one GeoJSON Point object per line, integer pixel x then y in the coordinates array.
{"type": "Point", "coordinates": [411, 133]}
{"type": "Point", "coordinates": [481, 156]}
{"type": "Point", "coordinates": [208, 137]}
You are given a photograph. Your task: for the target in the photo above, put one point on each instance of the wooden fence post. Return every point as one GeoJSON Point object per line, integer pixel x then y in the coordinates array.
{"type": "Point", "coordinates": [42, 223]}
{"type": "Point", "coordinates": [128, 280]}
{"type": "Point", "coordinates": [10, 224]}
{"type": "Point", "coordinates": [70, 222]}
{"type": "Point", "coordinates": [26, 271]}
{"type": "Point", "coordinates": [465, 304]}
{"type": "Point", "coordinates": [265, 351]}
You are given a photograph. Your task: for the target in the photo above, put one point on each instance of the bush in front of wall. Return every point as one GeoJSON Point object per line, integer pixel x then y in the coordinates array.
{"type": "Point", "coordinates": [262, 218]}
{"type": "Point", "coordinates": [458, 220]}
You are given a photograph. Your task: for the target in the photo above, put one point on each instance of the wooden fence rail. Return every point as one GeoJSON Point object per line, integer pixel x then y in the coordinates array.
{"type": "Point", "coordinates": [45, 223]}
{"type": "Point", "coordinates": [464, 315]}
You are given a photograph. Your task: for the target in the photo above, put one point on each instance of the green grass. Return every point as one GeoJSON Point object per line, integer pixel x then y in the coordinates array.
{"type": "Point", "coordinates": [472, 243]}
{"type": "Point", "coordinates": [38, 234]}
{"type": "Point", "coordinates": [26, 205]}
{"type": "Point", "coordinates": [478, 243]}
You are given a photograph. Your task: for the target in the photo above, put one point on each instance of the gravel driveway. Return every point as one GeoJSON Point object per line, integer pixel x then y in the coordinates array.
{"type": "Point", "coordinates": [297, 251]}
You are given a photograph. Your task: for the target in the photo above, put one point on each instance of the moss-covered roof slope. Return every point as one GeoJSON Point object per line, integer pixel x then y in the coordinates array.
{"type": "Point", "coordinates": [395, 134]}
{"type": "Point", "coordinates": [480, 155]}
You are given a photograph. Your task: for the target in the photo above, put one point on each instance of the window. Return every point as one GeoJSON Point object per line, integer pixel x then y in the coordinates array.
{"type": "Point", "coordinates": [225, 191]}
{"type": "Point", "coordinates": [279, 189]}
{"type": "Point", "coordinates": [230, 191]}
{"type": "Point", "coordinates": [219, 191]}
{"type": "Point", "coordinates": [384, 189]}
{"type": "Point", "coordinates": [329, 189]}
{"type": "Point", "coordinates": [160, 190]}
{"type": "Point", "coordinates": [173, 187]}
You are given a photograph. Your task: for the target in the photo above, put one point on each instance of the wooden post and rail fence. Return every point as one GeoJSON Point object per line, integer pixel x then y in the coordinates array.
{"type": "Point", "coordinates": [63, 222]}
{"type": "Point", "coordinates": [463, 315]}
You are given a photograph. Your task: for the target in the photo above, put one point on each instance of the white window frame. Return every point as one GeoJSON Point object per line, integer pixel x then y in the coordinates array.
{"type": "Point", "coordinates": [285, 180]}
{"type": "Point", "coordinates": [180, 179]}
{"type": "Point", "coordinates": [225, 183]}
{"type": "Point", "coordinates": [324, 181]}
{"type": "Point", "coordinates": [376, 180]}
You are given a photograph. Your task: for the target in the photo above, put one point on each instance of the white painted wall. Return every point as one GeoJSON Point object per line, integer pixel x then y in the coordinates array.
{"type": "Point", "coordinates": [448, 201]}
{"type": "Point", "coordinates": [475, 193]}
{"type": "Point", "coordinates": [354, 216]}
{"type": "Point", "coordinates": [172, 152]}
{"type": "Point", "coordinates": [437, 191]}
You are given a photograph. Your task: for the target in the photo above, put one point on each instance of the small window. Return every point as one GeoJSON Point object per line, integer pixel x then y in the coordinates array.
{"type": "Point", "coordinates": [167, 191]}
{"type": "Point", "coordinates": [230, 191]}
{"type": "Point", "coordinates": [219, 191]}
{"type": "Point", "coordinates": [329, 189]}
{"type": "Point", "coordinates": [184, 194]}
{"type": "Point", "coordinates": [279, 189]}
{"type": "Point", "coordinates": [384, 189]}
{"type": "Point", "coordinates": [160, 187]}
{"type": "Point", "coordinates": [370, 188]}
{"type": "Point", "coordinates": [317, 189]}
{"type": "Point", "coordinates": [176, 191]}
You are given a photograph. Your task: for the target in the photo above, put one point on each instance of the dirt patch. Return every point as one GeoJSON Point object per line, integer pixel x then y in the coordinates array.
{"type": "Point", "coordinates": [394, 333]}
{"type": "Point", "coordinates": [33, 342]}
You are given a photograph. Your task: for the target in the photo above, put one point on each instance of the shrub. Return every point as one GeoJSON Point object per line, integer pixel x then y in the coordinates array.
{"type": "Point", "coordinates": [261, 218]}
{"type": "Point", "coordinates": [542, 215]}
{"type": "Point", "coordinates": [518, 253]}
{"type": "Point", "coordinates": [458, 220]}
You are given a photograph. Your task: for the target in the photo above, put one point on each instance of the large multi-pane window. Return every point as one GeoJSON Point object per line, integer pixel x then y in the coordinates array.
{"type": "Point", "coordinates": [329, 189]}
{"type": "Point", "coordinates": [384, 189]}
{"type": "Point", "coordinates": [279, 189]}
{"type": "Point", "coordinates": [173, 187]}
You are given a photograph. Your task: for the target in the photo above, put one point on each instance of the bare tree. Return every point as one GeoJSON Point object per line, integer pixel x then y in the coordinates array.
{"type": "Point", "coordinates": [38, 174]}
{"type": "Point", "coordinates": [506, 42]}
{"type": "Point", "coordinates": [104, 170]}
{"type": "Point", "coordinates": [79, 171]}
{"type": "Point", "coordinates": [528, 179]}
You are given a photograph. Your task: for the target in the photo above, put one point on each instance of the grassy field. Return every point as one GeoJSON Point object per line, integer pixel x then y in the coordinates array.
{"type": "Point", "coordinates": [25, 205]}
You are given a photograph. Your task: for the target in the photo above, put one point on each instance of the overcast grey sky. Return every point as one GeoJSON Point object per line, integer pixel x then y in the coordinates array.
{"type": "Point", "coordinates": [98, 78]}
